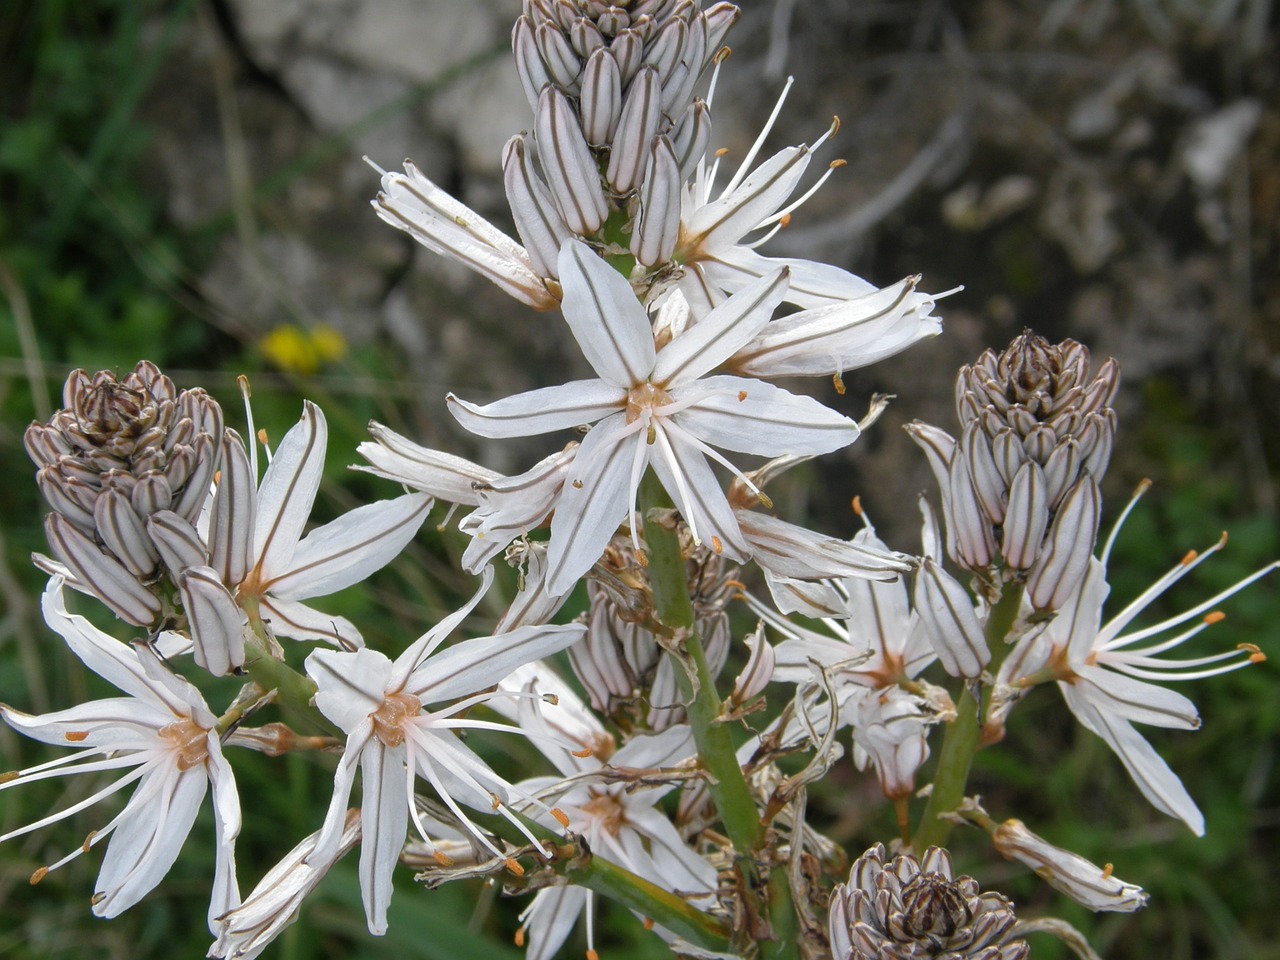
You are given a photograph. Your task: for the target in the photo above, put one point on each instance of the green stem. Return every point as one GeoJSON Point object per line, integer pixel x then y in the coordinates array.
{"type": "Point", "coordinates": [728, 786]}
{"type": "Point", "coordinates": [963, 738]}
{"type": "Point", "coordinates": [293, 690]}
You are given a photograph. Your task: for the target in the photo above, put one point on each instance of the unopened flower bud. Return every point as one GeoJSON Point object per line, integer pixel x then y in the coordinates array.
{"type": "Point", "coordinates": [1069, 873]}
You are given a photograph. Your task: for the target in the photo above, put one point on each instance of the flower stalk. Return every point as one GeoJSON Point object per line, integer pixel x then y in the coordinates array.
{"type": "Point", "coordinates": [674, 609]}
{"type": "Point", "coordinates": [963, 738]}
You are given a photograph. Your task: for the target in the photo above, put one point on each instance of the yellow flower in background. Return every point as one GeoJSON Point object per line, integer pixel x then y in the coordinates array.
{"type": "Point", "coordinates": [303, 351]}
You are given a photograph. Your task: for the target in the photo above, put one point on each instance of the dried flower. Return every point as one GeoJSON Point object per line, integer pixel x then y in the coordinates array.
{"type": "Point", "coordinates": [915, 909]}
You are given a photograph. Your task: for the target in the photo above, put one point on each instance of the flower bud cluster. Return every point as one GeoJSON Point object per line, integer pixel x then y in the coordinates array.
{"type": "Point", "coordinates": [620, 662]}
{"type": "Point", "coordinates": [910, 909]}
{"type": "Point", "coordinates": [1020, 485]}
{"type": "Point", "coordinates": [616, 125]}
{"type": "Point", "coordinates": [121, 453]}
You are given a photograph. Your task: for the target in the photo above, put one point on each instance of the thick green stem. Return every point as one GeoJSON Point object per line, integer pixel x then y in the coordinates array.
{"type": "Point", "coordinates": [963, 738]}
{"type": "Point", "coordinates": [728, 786]}
{"type": "Point", "coordinates": [293, 690]}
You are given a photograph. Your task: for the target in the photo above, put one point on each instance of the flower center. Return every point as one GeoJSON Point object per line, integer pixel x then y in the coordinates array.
{"type": "Point", "coordinates": [607, 811]}
{"type": "Point", "coordinates": [641, 401]}
{"type": "Point", "coordinates": [189, 741]}
{"type": "Point", "coordinates": [389, 719]}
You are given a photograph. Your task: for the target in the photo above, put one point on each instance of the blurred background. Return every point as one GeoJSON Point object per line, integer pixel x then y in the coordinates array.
{"type": "Point", "coordinates": [182, 182]}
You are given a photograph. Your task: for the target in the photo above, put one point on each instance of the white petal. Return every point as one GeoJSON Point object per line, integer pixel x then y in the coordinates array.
{"type": "Point", "coordinates": [384, 818]}
{"type": "Point", "coordinates": [722, 332]}
{"type": "Point", "coordinates": [1158, 783]}
{"type": "Point", "coordinates": [482, 662]}
{"type": "Point", "coordinates": [148, 840]}
{"type": "Point", "coordinates": [677, 866]}
{"type": "Point", "coordinates": [106, 656]}
{"type": "Point", "coordinates": [697, 491]}
{"type": "Point", "coordinates": [288, 490]}
{"type": "Point", "coordinates": [664, 749]}
{"type": "Point", "coordinates": [540, 411]}
{"type": "Point", "coordinates": [725, 221]}
{"type": "Point", "coordinates": [298, 621]}
{"type": "Point", "coordinates": [351, 685]}
{"type": "Point", "coordinates": [1137, 701]}
{"type": "Point", "coordinates": [350, 548]}
{"type": "Point", "coordinates": [593, 503]}
{"type": "Point", "coordinates": [793, 551]}
{"type": "Point", "coordinates": [116, 723]}
{"type": "Point", "coordinates": [813, 284]}
{"type": "Point", "coordinates": [607, 320]}
{"type": "Point", "coordinates": [226, 812]}
{"type": "Point", "coordinates": [751, 416]}
{"type": "Point", "coordinates": [553, 913]}
{"type": "Point", "coordinates": [439, 474]}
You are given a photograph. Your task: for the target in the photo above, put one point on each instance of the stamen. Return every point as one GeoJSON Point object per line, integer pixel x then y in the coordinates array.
{"type": "Point", "coordinates": [514, 866]}
{"type": "Point", "coordinates": [442, 859]}
{"type": "Point", "coordinates": [1138, 493]}
{"type": "Point", "coordinates": [755, 147]}
{"type": "Point", "coordinates": [561, 816]}
{"type": "Point", "coordinates": [243, 383]}
{"type": "Point", "coordinates": [40, 874]}
{"type": "Point", "coordinates": [796, 204]}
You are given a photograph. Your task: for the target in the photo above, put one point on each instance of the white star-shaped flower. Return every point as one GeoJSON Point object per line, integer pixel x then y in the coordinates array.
{"type": "Point", "coordinates": [394, 739]}
{"type": "Point", "coordinates": [620, 821]}
{"type": "Point", "coordinates": [165, 736]}
{"type": "Point", "coordinates": [654, 407]}
{"type": "Point", "coordinates": [257, 558]}
{"type": "Point", "coordinates": [1103, 676]}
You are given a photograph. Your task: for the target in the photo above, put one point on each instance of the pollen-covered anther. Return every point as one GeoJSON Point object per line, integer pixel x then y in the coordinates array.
{"type": "Point", "coordinates": [389, 719]}
{"type": "Point", "coordinates": [496, 801]}
{"type": "Point", "coordinates": [443, 859]}
{"type": "Point", "coordinates": [190, 741]}
{"type": "Point", "coordinates": [1190, 558]}
{"type": "Point", "coordinates": [717, 546]}
{"type": "Point", "coordinates": [514, 866]}
{"type": "Point", "coordinates": [551, 698]}
{"type": "Point", "coordinates": [1107, 870]}
{"type": "Point", "coordinates": [88, 841]}
{"type": "Point", "coordinates": [856, 505]}
{"type": "Point", "coordinates": [1255, 654]}
{"type": "Point", "coordinates": [77, 736]}
{"type": "Point", "coordinates": [583, 753]}
{"type": "Point", "coordinates": [648, 923]}
{"type": "Point", "coordinates": [837, 164]}
{"type": "Point", "coordinates": [519, 937]}
{"type": "Point", "coordinates": [837, 382]}
{"type": "Point", "coordinates": [40, 874]}
{"type": "Point", "coordinates": [742, 396]}
{"type": "Point", "coordinates": [262, 436]}
{"type": "Point", "coordinates": [784, 221]}
{"type": "Point", "coordinates": [1217, 616]}
{"type": "Point", "coordinates": [561, 817]}
{"type": "Point", "coordinates": [9, 776]}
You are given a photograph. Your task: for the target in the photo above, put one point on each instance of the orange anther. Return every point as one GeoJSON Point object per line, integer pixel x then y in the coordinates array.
{"type": "Point", "coordinates": [39, 875]}
{"type": "Point", "coordinates": [77, 736]}
{"type": "Point", "coordinates": [514, 866]}
{"type": "Point", "coordinates": [560, 816]}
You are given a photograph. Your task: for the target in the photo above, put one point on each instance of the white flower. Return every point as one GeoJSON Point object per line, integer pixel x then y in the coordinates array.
{"type": "Point", "coordinates": [845, 322]}
{"type": "Point", "coordinates": [1104, 678]}
{"type": "Point", "coordinates": [393, 738]}
{"type": "Point", "coordinates": [620, 821]}
{"type": "Point", "coordinates": [656, 408]}
{"type": "Point", "coordinates": [164, 735]}
{"type": "Point", "coordinates": [258, 560]}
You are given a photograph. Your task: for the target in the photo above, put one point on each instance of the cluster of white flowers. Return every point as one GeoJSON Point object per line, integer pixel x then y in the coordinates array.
{"type": "Point", "coordinates": [160, 511]}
